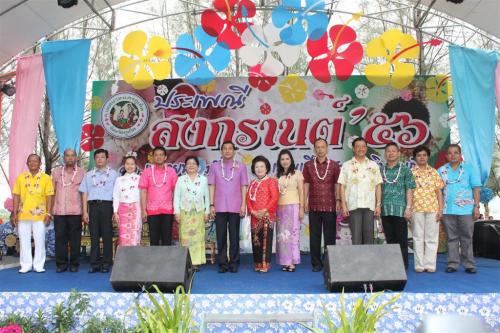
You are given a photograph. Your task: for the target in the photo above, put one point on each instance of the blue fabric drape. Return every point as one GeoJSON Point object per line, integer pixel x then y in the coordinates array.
{"type": "Point", "coordinates": [473, 78]}
{"type": "Point", "coordinates": [66, 65]}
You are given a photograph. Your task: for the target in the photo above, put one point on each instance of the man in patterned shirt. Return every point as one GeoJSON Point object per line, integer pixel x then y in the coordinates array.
{"type": "Point", "coordinates": [321, 200]}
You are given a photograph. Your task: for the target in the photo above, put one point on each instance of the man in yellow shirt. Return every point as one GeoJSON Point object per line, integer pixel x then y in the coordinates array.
{"type": "Point", "coordinates": [32, 196]}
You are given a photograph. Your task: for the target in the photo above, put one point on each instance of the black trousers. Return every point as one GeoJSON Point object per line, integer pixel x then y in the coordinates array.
{"type": "Point", "coordinates": [68, 229]}
{"type": "Point", "coordinates": [396, 232]}
{"type": "Point", "coordinates": [101, 227]}
{"type": "Point", "coordinates": [160, 229]}
{"type": "Point", "coordinates": [321, 222]}
{"type": "Point", "coordinates": [223, 223]}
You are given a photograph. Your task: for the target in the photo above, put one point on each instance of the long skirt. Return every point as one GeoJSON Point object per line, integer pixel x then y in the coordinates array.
{"type": "Point", "coordinates": [288, 235]}
{"type": "Point", "coordinates": [262, 243]}
{"type": "Point", "coordinates": [192, 234]}
{"type": "Point", "coordinates": [130, 224]}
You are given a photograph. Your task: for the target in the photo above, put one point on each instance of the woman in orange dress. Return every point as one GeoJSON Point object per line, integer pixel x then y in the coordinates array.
{"type": "Point", "coordinates": [262, 203]}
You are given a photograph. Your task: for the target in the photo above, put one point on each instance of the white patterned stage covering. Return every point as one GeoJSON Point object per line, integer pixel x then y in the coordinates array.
{"type": "Point", "coordinates": [410, 308]}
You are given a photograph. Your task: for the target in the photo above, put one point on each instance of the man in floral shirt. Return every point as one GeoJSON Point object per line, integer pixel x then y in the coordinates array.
{"type": "Point", "coordinates": [461, 206]}
{"type": "Point", "coordinates": [32, 196]}
{"type": "Point", "coordinates": [360, 190]}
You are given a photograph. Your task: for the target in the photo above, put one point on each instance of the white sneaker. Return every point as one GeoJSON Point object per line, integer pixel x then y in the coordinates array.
{"type": "Point", "coordinates": [24, 270]}
{"type": "Point", "coordinates": [41, 270]}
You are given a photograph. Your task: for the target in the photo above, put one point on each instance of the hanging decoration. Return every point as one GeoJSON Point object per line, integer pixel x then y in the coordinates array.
{"type": "Point", "coordinates": [267, 50]}
{"type": "Point", "coordinates": [345, 53]}
{"type": "Point", "coordinates": [263, 46]}
{"type": "Point", "coordinates": [198, 66]}
{"type": "Point", "coordinates": [290, 16]}
{"type": "Point", "coordinates": [394, 46]}
{"type": "Point", "coordinates": [437, 88]}
{"type": "Point", "coordinates": [230, 26]}
{"type": "Point", "coordinates": [144, 64]}
{"type": "Point", "coordinates": [259, 80]}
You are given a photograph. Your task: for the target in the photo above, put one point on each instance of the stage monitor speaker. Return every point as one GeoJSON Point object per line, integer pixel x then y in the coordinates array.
{"type": "Point", "coordinates": [139, 267]}
{"type": "Point", "coordinates": [364, 268]}
{"type": "Point", "coordinates": [486, 241]}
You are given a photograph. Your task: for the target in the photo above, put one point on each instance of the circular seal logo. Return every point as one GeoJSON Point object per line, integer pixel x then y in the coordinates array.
{"type": "Point", "coordinates": [124, 115]}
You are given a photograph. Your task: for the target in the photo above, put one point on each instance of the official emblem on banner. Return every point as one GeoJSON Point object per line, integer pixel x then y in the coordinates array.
{"type": "Point", "coordinates": [124, 115]}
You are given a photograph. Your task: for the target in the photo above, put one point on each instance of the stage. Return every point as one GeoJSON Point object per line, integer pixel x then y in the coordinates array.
{"type": "Point", "coordinates": [248, 292]}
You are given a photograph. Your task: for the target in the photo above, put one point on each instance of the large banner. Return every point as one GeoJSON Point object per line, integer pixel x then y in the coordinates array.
{"type": "Point", "coordinates": [262, 115]}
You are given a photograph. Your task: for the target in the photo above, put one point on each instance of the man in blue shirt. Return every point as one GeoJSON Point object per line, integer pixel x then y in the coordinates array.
{"type": "Point", "coordinates": [97, 201]}
{"type": "Point", "coordinates": [461, 209]}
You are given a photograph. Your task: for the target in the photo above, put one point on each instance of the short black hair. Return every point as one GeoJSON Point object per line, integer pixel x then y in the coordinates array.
{"type": "Point", "coordinates": [391, 144]}
{"type": "Point", "coordinates": [455, 145]}
{"type": "Point", "coordinates": [228, 142]}
{"type": "Point", "coordinates": [101, 151]}
{"type": "Point", "coordinates": [39, 158]}
{"type": "Point", "coordinates": [357, 140]}
{"type": "Point", "coordinates": [192, 157]}
{"type": "Point", "coordinates": [160, 148]}
{"type": "Point", "coordinates": [415, 107]}
{"type": "Point", "coordinates": [318, 140]}
{"type": "Point", "coordinates": [281, 170]}
{"type": "Point", "coordinates": [261, 158]}
{"type": "Point", "coordinates": [420, 148]}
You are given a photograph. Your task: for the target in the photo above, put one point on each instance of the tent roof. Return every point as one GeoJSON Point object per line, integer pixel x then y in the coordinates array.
{"type": "Point", "coordinates": [482, 14]}
{"type": "Point", "coordinates": [24, 22]}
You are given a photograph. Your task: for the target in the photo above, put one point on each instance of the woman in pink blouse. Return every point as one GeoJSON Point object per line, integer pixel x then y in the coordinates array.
{"type": "Point", "coordinates": [262, 203]}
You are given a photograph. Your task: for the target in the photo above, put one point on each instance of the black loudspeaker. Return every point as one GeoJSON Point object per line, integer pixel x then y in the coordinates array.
{"type": "Point", "coordinates": [486, 241]}
{"type": "Point", "coordinates": [364, 268]}
{"type": "Point", "coordinates": [137, 267]}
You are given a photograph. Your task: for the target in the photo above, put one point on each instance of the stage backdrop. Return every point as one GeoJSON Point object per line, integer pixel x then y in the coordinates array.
{"type": "Point", "coordinates": [263, 115]}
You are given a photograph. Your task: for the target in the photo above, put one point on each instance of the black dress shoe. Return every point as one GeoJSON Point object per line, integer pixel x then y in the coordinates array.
{"type": "Point", "coordinates": [73, 269]}
{"type": "Point", "coordinates": [105, 270]}
{"type": "Point", "coordinates": [450, 270]}
{"type": "Point", "coordinates": [94, 269]}
{"type": "Point", "coordinates": [470, 270]}
{"type": "Point", "coordinates": [61, 269]}
{"type": "Point", "coordinates": [222, 269]}
{"type": "Point", "coordinates": [233, 269]}
{"type": "Point", "coordinates": [317, 268]}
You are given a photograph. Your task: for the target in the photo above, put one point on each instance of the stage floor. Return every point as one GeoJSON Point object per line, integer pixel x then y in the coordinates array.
{"type": "Point", "coordinates": [246, 281]}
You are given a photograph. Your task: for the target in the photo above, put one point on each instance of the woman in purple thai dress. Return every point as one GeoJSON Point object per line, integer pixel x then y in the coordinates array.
{"type": "Point", "coordinates": [290, 211]}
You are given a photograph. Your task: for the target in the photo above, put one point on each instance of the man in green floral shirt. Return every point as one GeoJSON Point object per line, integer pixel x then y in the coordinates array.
{"type": "Point", "coordinates": [397, 199]}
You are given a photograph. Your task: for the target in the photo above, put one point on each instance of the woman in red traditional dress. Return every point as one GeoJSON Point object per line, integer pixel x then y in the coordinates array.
{"type": "Point", "coordinates": [262, 203]}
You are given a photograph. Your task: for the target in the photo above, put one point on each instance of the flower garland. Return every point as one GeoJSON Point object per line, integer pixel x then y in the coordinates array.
{"type": "Point", "coordinates": [28, 183]}
{"type": "Point", "coordinates": [192, 191]}
{"type": "Point", "coordinates": [395, 180]}
{"type": "Point", "coordinates": [133, 178]}
{"type": "Point", "coordinates": [164, 181]}
{"type": "Point", "coordinates": [418, 176]}
{"type": "Point", "coordinates": [445, 174]}
{"type": "Point", "coordinates": [232, 170]}
{"type": "Point", "coordinates": [253, 196]}
{"type": "Point", "coordinates": [316, 168]}
{"type": "Point", "coordinates": [285, 187]}
{"type": "Point", "coordinates": [102, 182]}
{"type": "Point", "coordinates": [72, 177]}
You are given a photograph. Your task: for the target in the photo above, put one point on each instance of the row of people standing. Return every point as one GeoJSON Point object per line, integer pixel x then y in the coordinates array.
{"type": "Point", "coordinates": [360, 190]}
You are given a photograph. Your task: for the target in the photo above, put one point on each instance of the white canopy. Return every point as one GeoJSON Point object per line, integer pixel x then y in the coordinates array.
{"type": "Point", "coordinates": [484, 14]}
{"type": "Point", "coordinates": [24, 22]}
